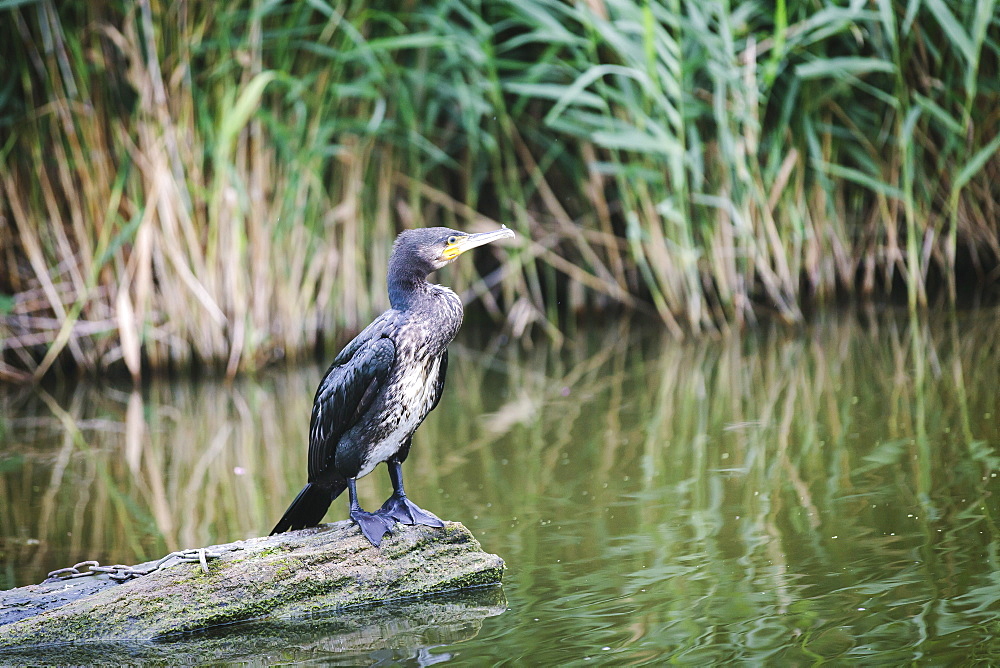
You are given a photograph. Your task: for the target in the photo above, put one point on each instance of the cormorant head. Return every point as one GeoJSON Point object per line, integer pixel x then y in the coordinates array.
{"type": "Point", "coordinates": [427, 249]}
{"type": "Point", "coordinates": [417, 253]}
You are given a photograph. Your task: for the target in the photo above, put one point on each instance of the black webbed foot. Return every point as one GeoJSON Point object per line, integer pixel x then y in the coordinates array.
{"type": "Point", "coordinates": [374, 526]}
{"type": "Point", "coordinates": [401, 509]}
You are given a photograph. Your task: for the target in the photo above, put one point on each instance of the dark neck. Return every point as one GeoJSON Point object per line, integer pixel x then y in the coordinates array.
{"type": "Point", "coordinates": [406, 284]}
{"type": "Point", "coordinates": [434, 314]}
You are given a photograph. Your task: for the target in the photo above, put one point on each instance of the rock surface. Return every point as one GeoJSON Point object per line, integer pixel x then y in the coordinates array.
{"type": "Point", "coordinates": [286, 576]}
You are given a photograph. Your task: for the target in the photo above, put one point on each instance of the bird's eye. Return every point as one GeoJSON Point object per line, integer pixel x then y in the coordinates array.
{"type": "Point", "coordinates": [452, 239]}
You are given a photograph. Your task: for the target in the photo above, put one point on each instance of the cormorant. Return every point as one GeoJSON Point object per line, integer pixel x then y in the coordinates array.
{"type": "Point", "coordinates": [383, 384]}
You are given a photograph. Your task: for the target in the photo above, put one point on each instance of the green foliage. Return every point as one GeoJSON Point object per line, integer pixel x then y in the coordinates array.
{"type": "Point", "coordinates": [222, 184]}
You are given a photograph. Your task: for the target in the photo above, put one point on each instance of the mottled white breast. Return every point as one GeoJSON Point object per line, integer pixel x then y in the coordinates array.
{"type": "Point", "coordinates": [416, 397]}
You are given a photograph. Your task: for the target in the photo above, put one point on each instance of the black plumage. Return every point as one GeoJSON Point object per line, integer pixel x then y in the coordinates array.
{"type": "Point", "coordinates": [383, 384]}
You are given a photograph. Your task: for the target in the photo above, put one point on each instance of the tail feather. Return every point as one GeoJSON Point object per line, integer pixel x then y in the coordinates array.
{"type": "Point", "coordinates": [309, 507]}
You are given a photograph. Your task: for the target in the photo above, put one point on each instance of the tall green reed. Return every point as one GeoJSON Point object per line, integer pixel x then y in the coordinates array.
{"type": "Point", "coordinates": [786, 154]}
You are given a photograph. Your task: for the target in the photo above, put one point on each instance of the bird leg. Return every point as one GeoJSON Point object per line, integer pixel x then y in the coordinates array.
{"type": "Point", "coordinates": [400, 508]}
{"type": "Point", "coordinates": [373, 525]}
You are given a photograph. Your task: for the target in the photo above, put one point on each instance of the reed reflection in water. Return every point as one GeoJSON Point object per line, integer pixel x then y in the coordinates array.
{"type": "Point", "coordinates": [828, 493]}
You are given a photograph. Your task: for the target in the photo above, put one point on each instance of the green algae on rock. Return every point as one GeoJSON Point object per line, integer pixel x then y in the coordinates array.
{"type": "Point", "coordinates": [288, 575]}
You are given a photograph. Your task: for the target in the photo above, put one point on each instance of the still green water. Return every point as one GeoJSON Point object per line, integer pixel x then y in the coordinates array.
{"type": "Point", "coordinates": [780, 497]}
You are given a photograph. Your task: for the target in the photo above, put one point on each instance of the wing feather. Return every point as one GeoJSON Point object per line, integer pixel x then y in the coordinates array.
{"type": "Point", "coordinates": [439, 382]}
{"type": "Point", "coordinates": [345, 394]}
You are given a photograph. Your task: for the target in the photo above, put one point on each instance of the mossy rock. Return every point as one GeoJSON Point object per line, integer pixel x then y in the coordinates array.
{"type": "Point", "coordinates": [290, 575]}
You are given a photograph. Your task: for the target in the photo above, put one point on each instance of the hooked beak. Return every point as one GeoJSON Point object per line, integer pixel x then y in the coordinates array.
{"type": "Point", "coordinates": [470, 241]}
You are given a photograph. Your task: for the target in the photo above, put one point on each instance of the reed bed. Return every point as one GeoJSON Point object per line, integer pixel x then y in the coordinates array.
{"type": "Point", "coordinates": [185, 184]}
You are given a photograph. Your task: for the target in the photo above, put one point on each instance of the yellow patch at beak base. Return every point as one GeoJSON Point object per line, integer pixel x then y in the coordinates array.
{"type": "Point", "coordinates": [451, 251]}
